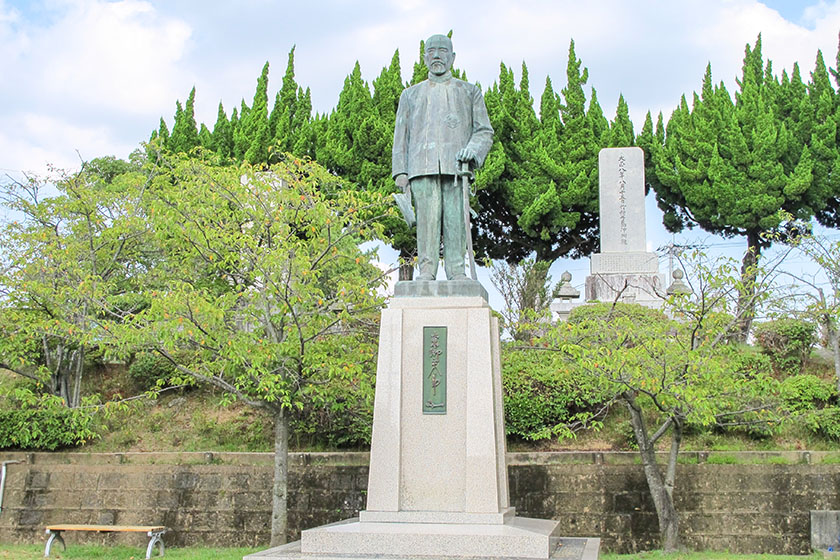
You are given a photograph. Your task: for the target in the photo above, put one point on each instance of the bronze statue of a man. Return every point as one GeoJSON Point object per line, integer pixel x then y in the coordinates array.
{"type": "Point", "coordinates": [441, 123]}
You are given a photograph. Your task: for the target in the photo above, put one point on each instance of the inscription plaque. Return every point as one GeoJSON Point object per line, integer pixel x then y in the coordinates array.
{"type": "Point", "coordinates": [434, 370]}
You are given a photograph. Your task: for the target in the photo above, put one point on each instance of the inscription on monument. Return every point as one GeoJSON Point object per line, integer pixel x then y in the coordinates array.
{"type": "Point", "coordinates": [622, 197]}
{"type": "Point", "coordinates": [434, 370]}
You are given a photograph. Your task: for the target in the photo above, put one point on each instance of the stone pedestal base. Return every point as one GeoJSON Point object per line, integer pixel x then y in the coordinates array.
{"type": "Point", "coordinates": [519, 538]}
{"type": "Point", "coordinates": [560, 548]}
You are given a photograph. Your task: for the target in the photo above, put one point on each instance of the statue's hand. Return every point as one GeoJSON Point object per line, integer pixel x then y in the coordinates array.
{"type": "Point", "coordinates": [467, 154]}
{"type": "Point", "coordinates": [402, 182]}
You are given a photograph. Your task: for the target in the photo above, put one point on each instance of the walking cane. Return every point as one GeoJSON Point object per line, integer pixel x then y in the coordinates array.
{"type": "Point", "coordinates": [465, 180]}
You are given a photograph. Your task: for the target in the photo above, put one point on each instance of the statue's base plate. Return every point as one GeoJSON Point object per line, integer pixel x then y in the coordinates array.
{"type": "Point", "coordinates": [440, 288]}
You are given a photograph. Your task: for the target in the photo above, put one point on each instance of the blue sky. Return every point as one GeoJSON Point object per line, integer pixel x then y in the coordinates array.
{"type": "Point", "coordinates": [85, 78]}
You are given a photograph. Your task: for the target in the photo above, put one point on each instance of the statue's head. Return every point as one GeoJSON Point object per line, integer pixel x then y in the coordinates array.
{"type": "Point", "coordinates": [439, 55]}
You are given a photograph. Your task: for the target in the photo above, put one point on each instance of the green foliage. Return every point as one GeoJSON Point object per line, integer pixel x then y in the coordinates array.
{"type": "Point", "coordinates": [802, 392]}
{"type": "Point", "coordinates": [825, 422]}
{"type": "Point", "coordinates": [151, 371]}
{"type": "Point", "coordinates": [342, 417]}
{"type": "Point", "coordinates": [274, 300]}
{"type": "Point", "coordinates": [43, 422]}
{"type": "Point", "coordinates": [68, 257]}
{"type": "Point", "coordinates": [538, 189]}
{"type": "Point", "coordinates": [185, 131]}
{"type": "Point", "coordinates": [751, 361]}
{"type": "Point", "coordinates": [788, 342]}
{"type": "Point", "coordinates": [544, 394]}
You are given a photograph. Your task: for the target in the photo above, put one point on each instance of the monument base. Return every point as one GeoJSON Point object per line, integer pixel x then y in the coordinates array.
{"type": "Point", "coordinates": [352, 540]}
{"type": "Point", "coordinates": [644, 289]}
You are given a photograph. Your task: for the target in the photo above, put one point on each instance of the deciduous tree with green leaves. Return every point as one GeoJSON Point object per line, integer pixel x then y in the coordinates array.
{"type": "Point", "coordinates": [670, 369]}
{"type": "Point", "coordinates": [69, 258]}
{"type": "Point", "coordinates": [264, 286]}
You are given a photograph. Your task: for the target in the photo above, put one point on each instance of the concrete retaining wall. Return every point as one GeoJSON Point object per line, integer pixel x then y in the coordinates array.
{"type": "Point", "coordinates": [761, 504]}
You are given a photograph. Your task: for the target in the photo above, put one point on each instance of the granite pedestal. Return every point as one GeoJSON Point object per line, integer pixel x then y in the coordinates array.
{"type": "Point", "coordinates": [438, 483]}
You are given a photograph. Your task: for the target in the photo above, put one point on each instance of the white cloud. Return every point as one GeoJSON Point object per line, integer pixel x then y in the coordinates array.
{"type": "Point", "coordinates": [30, 142]}
{"type": "Point", "coordinates": [120, 55]}
{"type": "Point", "coordinates": [80, 74]}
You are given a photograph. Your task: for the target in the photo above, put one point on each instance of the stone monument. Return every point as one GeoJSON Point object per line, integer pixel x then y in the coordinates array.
{"type": "Point", "coordinates": [438, 484]}
{"type": "Point", "coordinates": [624, 269]}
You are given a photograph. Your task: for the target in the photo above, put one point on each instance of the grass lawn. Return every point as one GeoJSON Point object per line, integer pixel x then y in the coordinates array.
{"type": "Point", "coordinates": [85, 552]}
{"type": "Point", "coordinates": [657, 555]}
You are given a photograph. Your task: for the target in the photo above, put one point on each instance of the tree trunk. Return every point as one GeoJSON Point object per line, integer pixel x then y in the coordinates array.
{"type": "Point", "coordinates": [657, 485]}
{"type": "Point", "coordinates": [406, 265]}
{"type": "Point", "coordinates": [746, 296]}
{"type": "Point", "coordinates": [78, 364]}
{"type": "Point", "coordinates": [279, 495]}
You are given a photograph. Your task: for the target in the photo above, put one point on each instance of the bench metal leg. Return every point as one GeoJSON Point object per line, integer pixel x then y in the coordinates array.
{"type": "Point", "coordinates": [155, 538]}
{"type": "Point", "coordinates": [54, 536]}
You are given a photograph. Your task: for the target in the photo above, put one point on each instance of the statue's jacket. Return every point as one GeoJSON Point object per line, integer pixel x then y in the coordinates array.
{"type": "Point", "coordinates": [435, 119]}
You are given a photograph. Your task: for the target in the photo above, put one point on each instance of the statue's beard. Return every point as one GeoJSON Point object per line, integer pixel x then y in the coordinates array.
{"type": "Point", "coordinates": [438, 67]}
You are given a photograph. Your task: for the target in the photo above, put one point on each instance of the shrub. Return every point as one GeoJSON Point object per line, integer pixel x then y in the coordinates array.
{"type": "Point", "coordinates": [788, 342]}
{"type": "Point", "coordinates": [150, 370]}
{"type": "Point", "coordinates": [602, 311]}
{"type": "Point", "coordinates": [43, 422]}
{"type": "Point", "coordinates": [751, 362]}
{"type": "Point", "coordinates": [826, 422]}
{"type": "Point", "coordinates": [543, 393]}
{"type": "Point", "coordinates": [802, 392]}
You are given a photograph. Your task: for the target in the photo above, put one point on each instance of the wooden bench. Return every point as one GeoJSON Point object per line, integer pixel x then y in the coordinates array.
{"type": "Point", "coordinates": [154, 532]}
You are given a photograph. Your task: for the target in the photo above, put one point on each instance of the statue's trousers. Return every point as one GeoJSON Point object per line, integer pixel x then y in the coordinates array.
{"type": "Point", "coordinates": [439, 200]}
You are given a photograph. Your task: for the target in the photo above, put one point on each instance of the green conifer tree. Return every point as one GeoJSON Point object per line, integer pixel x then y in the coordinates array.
{"type": "Point", "coordinates": [185, 131]}
{"type": "Point", "coordinates": [538, 189]}
{"type": "Point", "coordinates": [255, 129]}
{"type": "Point", "coordinates": [241, 140]}
{"type": "Point", "coordinates": [621, 129]}
{"type": "Point", "coordinates": [730, 167]}
{"type": "Point", "coordinates": [287, 126]}
{"type": "Point", "coordinates": [163, 133]}
{"type": "Point", "coordinates": [222, 134]}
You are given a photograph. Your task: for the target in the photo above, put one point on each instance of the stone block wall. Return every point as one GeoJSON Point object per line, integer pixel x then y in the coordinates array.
{"type": "Point", "coordinates": [223, 499]}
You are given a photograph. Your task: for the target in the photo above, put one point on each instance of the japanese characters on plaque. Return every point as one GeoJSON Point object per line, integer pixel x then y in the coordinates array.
{"type": "Point", "coordinates": [622, 197]}
{"type": "Point", "coordinates": [434, 370]}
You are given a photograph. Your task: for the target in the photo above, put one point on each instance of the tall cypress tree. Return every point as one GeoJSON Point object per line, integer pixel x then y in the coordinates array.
{"type": "Point", "coordinates": [185, 131]}
{"type": "Point", "coordinates": [255, 128]}
{"type": "Point", "coordinates": [621, 129]}
{"type": "Point", "coordinates": [343, 147]}
{"type": "Point", "coordinates": [308, 127]}
{"type": "Point", "coordinates": [730, 167]}
{"type": "Point", "coordinates": [286, 123]}
{"type": "Point", "coordinates": [163, 133]}
{"type": "Point", "coordinates": [222, 134]}
{"type": "Point", "coordinates": [539, 185]}
{"type": "Point", "coordinates": [241, 137]}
